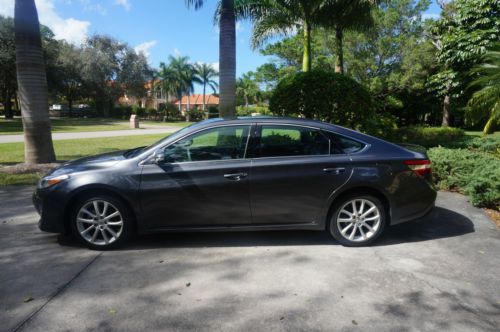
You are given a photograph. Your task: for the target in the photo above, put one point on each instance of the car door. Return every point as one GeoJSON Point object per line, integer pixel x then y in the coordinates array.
{"type": "Point", "coordinates": [201, 180]}
{"type": "Point", "coordinates": [293, 173]}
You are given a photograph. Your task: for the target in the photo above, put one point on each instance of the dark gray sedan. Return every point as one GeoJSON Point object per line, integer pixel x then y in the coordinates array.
{"type": "Point", "coordinates": [259, 173]}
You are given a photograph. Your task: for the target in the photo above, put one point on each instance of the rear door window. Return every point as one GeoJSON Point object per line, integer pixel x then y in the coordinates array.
{"type": "Point", "coordinates": [284, 141]}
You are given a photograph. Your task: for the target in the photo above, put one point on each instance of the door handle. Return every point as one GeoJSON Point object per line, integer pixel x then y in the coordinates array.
{"type": "Point", "coordinates": [335, 170]}
{"type": "Point", "coordinates": [235, 176]}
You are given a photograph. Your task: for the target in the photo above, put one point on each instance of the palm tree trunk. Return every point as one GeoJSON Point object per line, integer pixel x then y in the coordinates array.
{"type": "Point", "coordinates": [339, 64]}
{"type": "Point", "coordinates": [204, 94]}
{"type": "Point", "coordinates": [188, 107]}
{"type": "Point", "coordinates": [227, 59]}
{"type": "Point", "coordinates": [488, 128]}
{"type": "Point", "coordinates": [32, 84]}
{"type": "Point", "coordinates": [446, 111]}
{"type": "Point", "coordinates": [306, 59]}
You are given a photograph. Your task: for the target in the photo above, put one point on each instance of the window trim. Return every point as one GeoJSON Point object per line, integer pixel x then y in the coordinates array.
{"type": "Point", "coordinates": [258, 135]}
{"type": "Point", "coordinates": [250, 126]}
{"type": "Point", "coordinates": [366, 145]}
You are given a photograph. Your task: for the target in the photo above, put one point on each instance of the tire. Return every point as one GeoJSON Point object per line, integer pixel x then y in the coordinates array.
{"type": "Point", "coordinates": [110, 228]}
{"type": "Point", "coordinates": [361, 230]}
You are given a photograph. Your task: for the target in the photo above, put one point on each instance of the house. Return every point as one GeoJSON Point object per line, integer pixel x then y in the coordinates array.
{"type": "Point", "coordinates": [153, 99]}
{"type": "Point", "coordinates": [195, 101]}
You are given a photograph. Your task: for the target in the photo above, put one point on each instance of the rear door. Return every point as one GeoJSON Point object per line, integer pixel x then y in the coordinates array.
{"type": "Point", "coordinates": [293, 173]}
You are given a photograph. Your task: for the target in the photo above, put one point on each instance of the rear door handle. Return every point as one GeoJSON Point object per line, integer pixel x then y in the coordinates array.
{"type": "Point", "coordinates": [335, 170]}
{"type": "Point", "coordinates": [235, 176]}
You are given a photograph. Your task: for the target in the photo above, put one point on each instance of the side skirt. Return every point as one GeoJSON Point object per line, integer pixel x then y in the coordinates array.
{"type": "Point", "coordinates": [238, 228]}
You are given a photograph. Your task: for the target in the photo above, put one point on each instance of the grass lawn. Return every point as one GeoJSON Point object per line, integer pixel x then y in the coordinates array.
{"type": "Point", "coordinates": [79, 124]}
{"type": "Point", "coordinates": [478, 133]}
{"type": "Point", "coordinates": [12, 153]}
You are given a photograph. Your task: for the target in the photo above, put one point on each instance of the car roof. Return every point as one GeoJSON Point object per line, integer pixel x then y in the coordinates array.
{"type": "Point", "coordinates": [268, 119]}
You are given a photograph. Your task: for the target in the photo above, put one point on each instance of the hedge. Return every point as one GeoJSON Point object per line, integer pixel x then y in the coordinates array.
{"type": "Point", "coordinates": [476, 174]}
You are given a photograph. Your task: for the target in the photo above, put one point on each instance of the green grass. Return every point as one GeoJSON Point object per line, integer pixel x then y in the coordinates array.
{"type": "Point", "coordinates": [66, 125]}
{"type": "Point", "coordinates": [12, 153]}
{"type": "Point", "coordinates": [480, 133]}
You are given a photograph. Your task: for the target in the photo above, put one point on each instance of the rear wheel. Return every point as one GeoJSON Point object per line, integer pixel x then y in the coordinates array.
{"type": "Point", "coordinates": [101, 222]}
{"type": "Point", "coordinates": [357, 220]}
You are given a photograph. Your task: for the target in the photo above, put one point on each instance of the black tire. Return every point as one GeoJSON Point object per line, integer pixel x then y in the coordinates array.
{"type": "Point", "coordinates": [127, 218]}
{"type": "Point", "coordinates": [334, 226]}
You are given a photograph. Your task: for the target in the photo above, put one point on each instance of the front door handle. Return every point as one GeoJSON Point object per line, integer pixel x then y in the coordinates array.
{"type": "Point", "coordinates": [335, 170]}
{"type": "Point", "coordinates": [235, 176]}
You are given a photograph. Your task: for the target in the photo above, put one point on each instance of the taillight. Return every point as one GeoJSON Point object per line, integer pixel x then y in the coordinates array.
{"type": "Point", "coordinates": [421, 167]}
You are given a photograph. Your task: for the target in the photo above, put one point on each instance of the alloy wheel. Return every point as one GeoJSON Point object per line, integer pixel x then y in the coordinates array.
{"type": "Point", "coordinates": [358, 220]}
{"type": "Point", "coordinates": [99, 222]}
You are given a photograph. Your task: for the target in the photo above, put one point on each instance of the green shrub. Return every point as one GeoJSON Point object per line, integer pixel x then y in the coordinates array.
{"type": "Point", "coordinates": [213, 112]}
{"type": "Point", "coordinates": [248, 110]}
{"type": "Point", "coordinates": [476, 174]}
{"type": "Point", "coordinates": [426, 136]}
{"type": "Point", "coordinates": [490, 144]}
{"type": "Point", "coordinates": [195, 114]}
{"type": "Point", "coordinates": [323, 95]}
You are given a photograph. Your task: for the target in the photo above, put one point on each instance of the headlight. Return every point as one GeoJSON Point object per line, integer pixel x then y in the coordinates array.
{"type": "Point", "coordinates": [49, 181]}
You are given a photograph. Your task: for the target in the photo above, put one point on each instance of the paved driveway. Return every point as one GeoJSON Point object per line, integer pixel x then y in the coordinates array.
{"type": "Point", "coordinates": [441, 273]}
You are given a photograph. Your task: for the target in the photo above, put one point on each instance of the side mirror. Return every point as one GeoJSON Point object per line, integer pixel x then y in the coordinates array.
{"type": "Point", "coordinates": [157, 158]}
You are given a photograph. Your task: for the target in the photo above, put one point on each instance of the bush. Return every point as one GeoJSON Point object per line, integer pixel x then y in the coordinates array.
{"type": "Point", "coordinates": [151, 113]}
{"type": "Point", "coordinates": [213, 112]}
{"type": "Point", "coordinates": [476, 174]}
{"type": "Point", "coordinates": [248, 110]}
{"type": "Point", "coordinates": [323, 95]}
{"type": "Point", "coordinates": [195, 115]}
{"type": "Point", "coordinates": [426, 136]}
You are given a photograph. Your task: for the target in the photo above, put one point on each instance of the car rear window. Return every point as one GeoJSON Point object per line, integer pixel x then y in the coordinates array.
{"type": "Point", "coordinates": [342, 144]}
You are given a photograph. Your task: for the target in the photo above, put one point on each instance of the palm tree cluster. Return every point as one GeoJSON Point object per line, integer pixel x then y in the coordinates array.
{"type": "Point", "coordinates": [177, 78]}
{"type": "Point", "coordinates": [272, 18]}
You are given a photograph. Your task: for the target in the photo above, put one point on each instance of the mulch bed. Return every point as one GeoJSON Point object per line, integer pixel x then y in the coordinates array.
{"type": "Point", "coordinates": [494, 216]}
{"type": "Point", "coordinates": [24, 168]}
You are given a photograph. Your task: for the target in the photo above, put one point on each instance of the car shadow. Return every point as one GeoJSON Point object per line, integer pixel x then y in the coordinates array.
{"type": "Point", "coordinates": [440, 223]}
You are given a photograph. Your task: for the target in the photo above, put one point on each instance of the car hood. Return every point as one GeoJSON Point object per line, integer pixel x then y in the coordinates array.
{"type": "Point", "coordinates": [89, 163]}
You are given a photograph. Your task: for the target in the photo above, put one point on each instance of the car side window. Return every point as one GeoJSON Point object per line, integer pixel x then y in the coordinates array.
{"type": "Point", "coordinates": [282, 141]}
{"type": "Point", "coordinates": [221, 143]}
{"type": "Point", "coordinates": [343, 145]}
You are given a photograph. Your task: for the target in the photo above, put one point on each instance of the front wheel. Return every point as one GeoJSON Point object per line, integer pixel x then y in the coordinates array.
{"type": "Point", "coordinates": [101, 222]}
{"type": "Point", "coordinates": [357, 220]}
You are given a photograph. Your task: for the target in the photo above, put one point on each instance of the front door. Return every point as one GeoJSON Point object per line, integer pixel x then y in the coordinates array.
{"type": "Point", "coordinates": [202, 181]}
{"type": "Point", "coordinates": [293, 173]}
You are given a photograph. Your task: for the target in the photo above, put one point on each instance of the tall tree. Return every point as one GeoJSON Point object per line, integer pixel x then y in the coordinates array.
{"type": "Point", "coordinates": [32, 84]}
{"type": "Point", "coordinates": [273, 18]}
{"type": "Point", "coordinates": [485, 101]}
{"type": "Point", "coordinates": [227, 54]}
{"type": "Point", "coordinates": [247, 88]}
{"type": "Point", "coordinates": [182, 71]}
{"type": "Point", "coordinates": [348, 15]}
{"type": "Point", "coordinates": [8, 84]}
{"type": "Point", "coordinates": [206, 74]}
{"type": "Point", "coordinates": [464, 31]}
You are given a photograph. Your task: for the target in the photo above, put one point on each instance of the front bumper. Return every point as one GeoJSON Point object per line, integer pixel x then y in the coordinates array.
{"type": "Point", "coordinates": [51, 209]}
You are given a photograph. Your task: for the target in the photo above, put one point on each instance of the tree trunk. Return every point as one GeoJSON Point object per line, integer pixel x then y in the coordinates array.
{"type": "Point", "coordinates": [204, 94]}
{"type": "Point", "coordinates": [446, 111]}
{"type": "Point", "coordinates": [7, 104]}
{"type": "Point", "coordinates": [32, 85]}
{"type": "Point", "coordinates": [247, 102]}
{"type": "Point", "coordinates": [339, 63]}
{"type": "Point", "coordinates": [188, 107]}
{"type": "Point", "coordinates": [70, 107]}
{"type": "Point", "coordinates": [488, 128]}
{"type": "Point", "coordinates": [306, 59]}
{"type": "Point", "coordinates": [227, 60]}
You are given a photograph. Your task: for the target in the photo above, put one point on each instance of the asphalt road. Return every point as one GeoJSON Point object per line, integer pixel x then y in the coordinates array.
{"type": "Point", "coordinates": [440, 273]}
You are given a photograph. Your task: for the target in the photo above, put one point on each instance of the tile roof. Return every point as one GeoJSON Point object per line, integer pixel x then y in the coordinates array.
{"type": "Point", "coordinates": [197, 99]}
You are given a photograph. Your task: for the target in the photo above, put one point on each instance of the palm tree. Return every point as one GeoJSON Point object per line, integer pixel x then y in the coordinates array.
{"type": "Point", "coordinates": [205, 74]}
{"type": "Point", "coordinates": [485, 102]}
{"type": "Point", "coordinates": [247, 88]}
{"type": "Point", "coordinates": [166, 81]}
{"type": "Point", "coordinates": [343, 15]}
{"type": "Point", "coordinates": [32, 84]}
{"type": "Point", "coordinates": [227, 54]}
{"type": "Point", "coordinates": [273, 18]}
{"type": "Point", "coordinates": [180, 67]}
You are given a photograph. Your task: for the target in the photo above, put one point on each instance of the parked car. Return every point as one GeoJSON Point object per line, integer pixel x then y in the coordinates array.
{"type": "Point", "coordinates": [258, 173]}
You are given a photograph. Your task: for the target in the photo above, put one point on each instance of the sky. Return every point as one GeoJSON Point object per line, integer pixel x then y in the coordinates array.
{"type": "Point", "coordinates": [158, 28]}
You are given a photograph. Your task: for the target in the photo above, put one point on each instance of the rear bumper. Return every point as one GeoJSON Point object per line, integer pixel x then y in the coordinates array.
{"type": "Point", "coordinates": [416, 215]}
